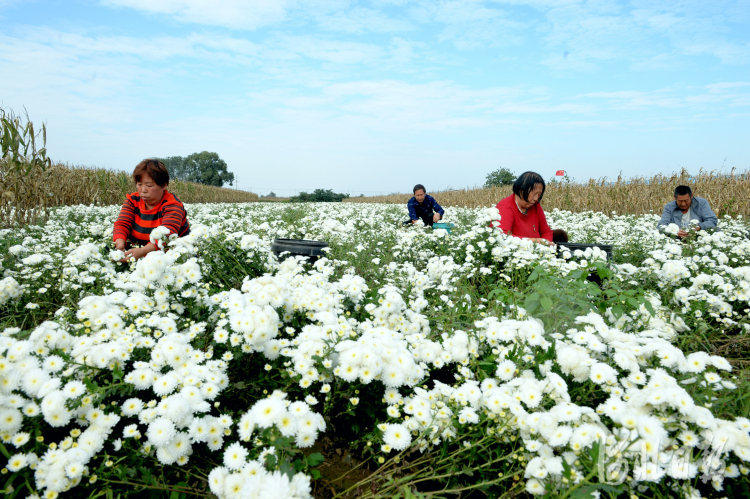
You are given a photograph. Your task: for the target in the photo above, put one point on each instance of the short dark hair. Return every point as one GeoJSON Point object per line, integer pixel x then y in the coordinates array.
{"type": "Point", "coordinates": [681, 190]}
{"type": "Point", "coordinates": [526, 182]}
{"type": "Point", "coordinates": [419, 186]}
{"type": "Point", "coordinates": [155, 169]}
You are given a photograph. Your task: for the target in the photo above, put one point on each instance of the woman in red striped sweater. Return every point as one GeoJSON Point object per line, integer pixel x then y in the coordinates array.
{"type": "Point", "coordinates": [521, 213]}
{"type": "Point", "coordinates": [149, 207]}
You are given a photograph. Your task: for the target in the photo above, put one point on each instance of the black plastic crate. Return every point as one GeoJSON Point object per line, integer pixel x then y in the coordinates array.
{"type": "Point", "coordinates": [299, 247]}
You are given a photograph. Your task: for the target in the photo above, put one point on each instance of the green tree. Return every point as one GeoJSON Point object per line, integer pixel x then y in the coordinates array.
{"type": "Point", "coordinates": [200, 167]}
{"type": "Point", "coordinates": [176, 167]}
{"type": "Point", "coordinates": [501, 176]}
{"type": "Point", "coordinates": [208, 168]}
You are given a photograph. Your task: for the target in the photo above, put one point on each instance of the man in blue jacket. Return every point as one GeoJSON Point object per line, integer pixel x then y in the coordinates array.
{"type": "Point", "coordinates": [685, 208]}
{"type": "Point", "coordinates": [424, 206]}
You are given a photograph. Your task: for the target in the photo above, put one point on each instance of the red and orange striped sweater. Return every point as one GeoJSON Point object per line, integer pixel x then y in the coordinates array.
{"type": "Point", "coordinates": [135, 222]}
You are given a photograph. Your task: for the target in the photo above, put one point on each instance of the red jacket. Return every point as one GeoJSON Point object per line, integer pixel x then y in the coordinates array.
{"type": "Point", "coordinates": [513, 222]}
{"type": "Point", "coordinates": [135, 222]}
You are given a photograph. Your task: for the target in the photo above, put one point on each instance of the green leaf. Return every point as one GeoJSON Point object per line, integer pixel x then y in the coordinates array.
{"type": "Point", "coordinates": [546, 302]}
{"type": "Point", "coordinates": [530, 305]}
{"type": "Point", "coordinates": [286, 469]}
{"type": "Point", "coordinates": [576, 274]}
{"type": "Point", "coordinates": [566, 469]}
{"type": "Point", "coordinates": [649, 307]}
{"type": "Point", "coordinates": [545, 287]}
{"type": "Point", "coordinates": [531, 302]}
{"type": "Point", "coordinates": [586, 491]}
{"type": "Point", "coordinates": [179, 495]}
{"type": "Point", "coordinates": [633, 302]}
{"type": "Point", "coordinates": [617, 311]}
{"type": "Point", "coordinates": [315, 459]}
{"type": "Point", "coordinates": [467, 471]}
{"type": "Point", "coordinates": [4, 451]}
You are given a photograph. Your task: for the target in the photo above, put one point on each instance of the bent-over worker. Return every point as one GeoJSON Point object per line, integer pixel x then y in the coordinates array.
{"type": "Point", "coordinates": [423, 206]}
{"type": "Point", "coordinates": [521, 213]}
{"type": "Point", "coordinates": [151, 206]}
{"type": "Point", "coordinates": [686, 208]}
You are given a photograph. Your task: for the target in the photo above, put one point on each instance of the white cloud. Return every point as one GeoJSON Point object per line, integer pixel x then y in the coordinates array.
{"type": "Point", "coordinates": [362, 20]}
{"type": "Point", "coordinates": [242, 14]}
{"type": "Point", "coordinates": [336, 51]}
{"type": "Point", "coordinates": [725, 93]}
{"type": "Point", "coordinates": [634, 99]}
{"type": "Point", "coordinates": [625, 94]}
{"type": "Point", "coordinates": [470, 24]}
{"type": "Point", "coordinates": [660, 62]}
{"type": "Point", "coordinates": [724, 86]}
{"type": "Point", "coordinates": [569, 62]}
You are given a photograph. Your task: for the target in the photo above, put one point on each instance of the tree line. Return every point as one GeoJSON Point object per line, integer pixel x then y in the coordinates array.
{"type": "Point", "coordinates": [319, 196]}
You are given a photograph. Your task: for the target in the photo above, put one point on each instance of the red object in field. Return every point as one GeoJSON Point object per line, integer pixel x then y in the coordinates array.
{"type": "Point", "coordinates": [560, 173]}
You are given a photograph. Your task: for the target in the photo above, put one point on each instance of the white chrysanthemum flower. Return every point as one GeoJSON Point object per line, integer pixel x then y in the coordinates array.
{"type": "Point", "coordinates": [397, 437]}
{"type": "Point", "coordinates": [19, 439]}
{"type": "Point", "coordinates": [267, 412]}
{"type": "Point", "coordinates": [132, 407]}
{"type": "Point", "coordinates": [161, 431]}
{"type": "Point", "coordinates": [535, 487]}
{"type": "Point", "coordinates": [506, 370]}
{"type": "Point", "coordinates": [53, 363]}
{"type": "Point", "coordinates": [73, 389]}
{"type": "Point", "coordinates": [235, 456]}
{"type": "Point", "coordinates": [17, 462]}
{"type": "Point", "coordinates": [131, 431]}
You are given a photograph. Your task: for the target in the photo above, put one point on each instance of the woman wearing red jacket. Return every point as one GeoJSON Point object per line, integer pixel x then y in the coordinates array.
{"type": "Point", "coordinates": [521, 213]}
{"type": "Point", "coordinates": [149, 207]}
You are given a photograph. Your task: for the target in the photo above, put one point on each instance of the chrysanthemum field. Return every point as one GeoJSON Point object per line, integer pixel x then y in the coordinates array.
{"type": "Point", "coordinates": [407, 363]}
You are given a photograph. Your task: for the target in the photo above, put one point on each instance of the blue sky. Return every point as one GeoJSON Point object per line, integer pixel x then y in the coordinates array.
{"type": "Point", "coordinates": [373, 97]}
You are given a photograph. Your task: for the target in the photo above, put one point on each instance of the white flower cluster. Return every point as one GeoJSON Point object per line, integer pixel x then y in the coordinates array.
{"type": "Point", "coordinates": [371, 316]}
{"type": "Point", "coordinates": [9, 290]}
{"type": "Point", "coordinates": [243, 478]}
{"type": "Point", "coordinates": [160, 237]}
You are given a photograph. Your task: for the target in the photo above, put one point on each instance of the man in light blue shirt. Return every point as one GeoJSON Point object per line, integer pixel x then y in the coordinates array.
{"type": "Point", "coordinates": [685, 208]}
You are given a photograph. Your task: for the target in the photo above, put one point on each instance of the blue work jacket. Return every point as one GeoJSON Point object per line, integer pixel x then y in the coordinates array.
{"type": "Point", "coordinates": [699, 210]}
{"type": "Point", "coordinates": [417, 211]}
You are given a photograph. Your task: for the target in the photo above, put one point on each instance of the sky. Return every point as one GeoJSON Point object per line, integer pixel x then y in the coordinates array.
{"type": "Point", "coordinates": [373, 97]}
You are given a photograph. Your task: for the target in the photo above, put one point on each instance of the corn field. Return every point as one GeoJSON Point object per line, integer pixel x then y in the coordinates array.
{"type": "Point", "coordinates": [30, 184]}
{"type": "Point", "coordinates": [27, 195]}
{"type": "Point", "coordinates": [728, 194]}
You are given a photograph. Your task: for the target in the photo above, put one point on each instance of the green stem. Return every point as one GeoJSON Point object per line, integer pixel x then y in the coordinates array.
{"type": "Point", "coordinates": [156, 487]}
{"type": "Point", "coordinates": [579, 484]}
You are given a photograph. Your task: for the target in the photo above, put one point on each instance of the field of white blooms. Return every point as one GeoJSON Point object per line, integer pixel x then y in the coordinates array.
{"type": "Point", "coordinates": [470, 364]}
